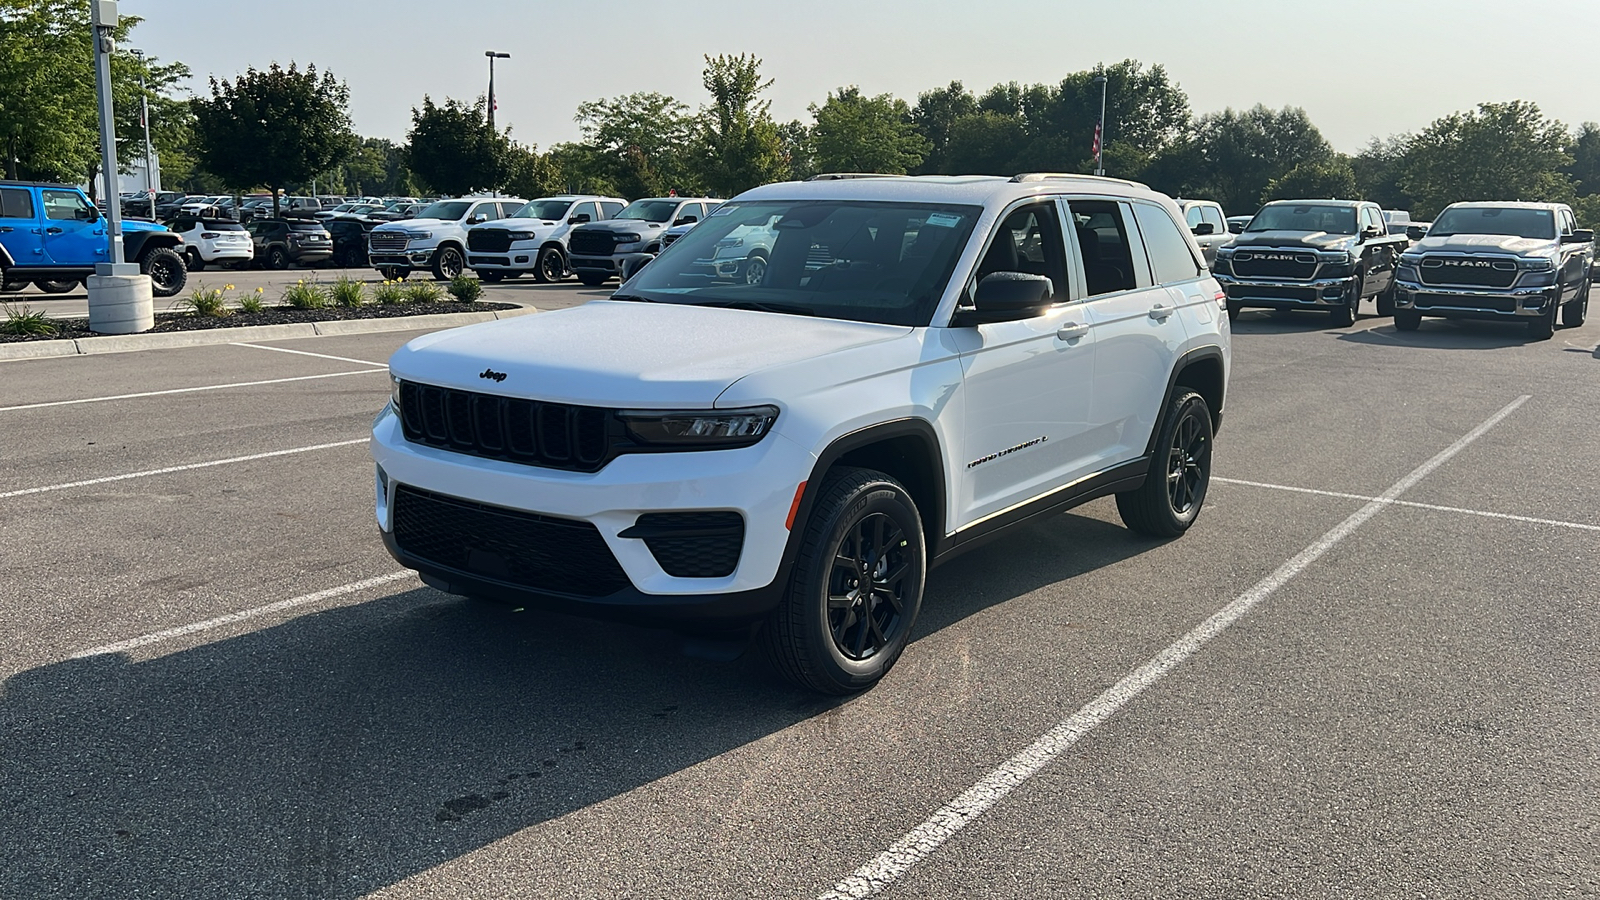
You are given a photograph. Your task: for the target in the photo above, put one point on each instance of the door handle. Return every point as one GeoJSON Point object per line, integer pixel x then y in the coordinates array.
{"type": "Point", "coordinates": [52, 230]}
{"type": "Point", "coordinates": [1160, 313]}
{"type": "Point", "coordinates": [5, 229]}
{"type": "Point", "coordinates": [1072, 331]}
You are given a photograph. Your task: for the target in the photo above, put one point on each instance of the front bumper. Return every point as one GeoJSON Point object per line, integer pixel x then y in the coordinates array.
{"type": "Point", "coordinates": [1321, 293]}
{"type": "Point", "coordinates": [615, 264]}
{"type": "Point", "coordinates": [758, 482]}
{"type": "Point", "coordinates": [515, 259]}
{"type": "Point", "coordinates": [1459, 303]}
{"type": "Point", "coordinates": [411, 257]}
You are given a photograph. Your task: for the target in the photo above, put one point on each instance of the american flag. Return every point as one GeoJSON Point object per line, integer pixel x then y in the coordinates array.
{"type": "Point", "coordinates": [1095, 150]}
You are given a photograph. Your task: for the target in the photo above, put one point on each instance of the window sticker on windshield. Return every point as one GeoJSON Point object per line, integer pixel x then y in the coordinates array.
{"type": "Point", "coordinates": [943, 220]}
{"type": "Point", "coordinates": [722, 211]}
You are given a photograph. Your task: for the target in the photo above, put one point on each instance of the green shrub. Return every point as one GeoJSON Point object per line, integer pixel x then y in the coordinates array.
{"type": "Point", "coordinates": [347, 292]}
{"type": "Point", "coordinates": [466, 289]}
{"type": "Point", "coordinates": [301, 295]}
{"type": "Point", "coordinates": [390, 292]}
{"type": "Point", "coordinates": [27, 322]}
{"type": "Point", "coordinates": [423, 292]}
{"type": "Point", "coordinates": [204, 301]}
{"type": "Point", "coordinates": [251, 303]}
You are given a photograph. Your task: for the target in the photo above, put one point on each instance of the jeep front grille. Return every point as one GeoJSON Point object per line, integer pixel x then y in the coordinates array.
{"type": "Point", "coordinates": [1465, 271]}
{"type": "Point", "coordinates": [546, 553]}
{"type": "Point", "coordinates": [489, 240]}
{"type": "Point", "coordinates": [553, 435]}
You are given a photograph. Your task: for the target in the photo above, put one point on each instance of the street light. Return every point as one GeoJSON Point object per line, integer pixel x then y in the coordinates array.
{"type": "Point", "coordinates": [493, 55]}
{"type": "Point", "coordinates": [150, 186]}
{"type": "Point", "coordinates": [1100, 129]}
{"type": "Point", "coordinates": [119, 297]}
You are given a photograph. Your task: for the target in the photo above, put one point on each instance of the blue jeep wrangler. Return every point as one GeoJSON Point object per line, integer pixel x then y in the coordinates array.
{"type": "Point", "coordinates": [51, 235]}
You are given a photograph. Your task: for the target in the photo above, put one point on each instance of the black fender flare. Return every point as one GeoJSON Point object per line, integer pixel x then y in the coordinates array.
{"type": "Point", "coordinates": [1198, 354]}
{"type": "Point", "coordinates": [136, 244]}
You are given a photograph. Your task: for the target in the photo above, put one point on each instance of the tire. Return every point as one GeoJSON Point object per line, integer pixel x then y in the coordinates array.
{"type": "Point", "coordinates": [55, 287]}
{"type": "Point", "coordinates": [593, 279]}
{"type": "Point", "coordinates": [1407, 319]}
{"type": "Point", "coordinates": [1233, 310]}
{"type": "Point", "coordinates": [1386, 300]}
{"type": "Point", "coordinates": [1576, 310]}
{"type": "Point", "coordinates": [1180, 472]}
{"type": "Point", "coordinates": [12, 287]}
{"type": "Point", "coordinates": [551, 267]}
{"type": "Point", "coordinates": [755, 270]}
{"type": "Point", "coordinates": [394, 273]}
{"type": "Point", "coordinates": [1345, 316]}
{"type": "Point", "coordinates": [277, 259]}
{"type": "Point", "coordinates": [825, 634]}
{"type": "Point", "coordinates": [166, 270]}
{"type": "Point", "coordinates": [194, 262]}
{"type": "Point", "coordinates": [490, 276]}
{"type": "Point", "coordinates": [448, 263]}
{"type": "Point", "coordinates": [1544, 327]}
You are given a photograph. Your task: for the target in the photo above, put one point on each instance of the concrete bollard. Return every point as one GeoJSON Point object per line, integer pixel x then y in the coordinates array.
{"type": "Point", "coordinates": [120, 304]}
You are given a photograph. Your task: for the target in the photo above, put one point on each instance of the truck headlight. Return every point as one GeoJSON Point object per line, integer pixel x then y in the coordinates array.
{"type": "Point", "coordinates": [1539, 265]}
{"type": "Point", "coordinates": [523, 235]}
{"type": "Point", "coordinates": [394, 392]}
{"type": "Point", "coordinates": [699, 428]}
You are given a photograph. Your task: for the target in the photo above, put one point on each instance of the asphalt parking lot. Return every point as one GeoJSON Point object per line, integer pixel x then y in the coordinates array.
{"type": "Point", "coordinates": [1371, 670]}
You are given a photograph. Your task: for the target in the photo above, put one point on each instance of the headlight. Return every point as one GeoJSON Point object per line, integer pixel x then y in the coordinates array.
{"type": "Point", "coordinates": [1224, 252]}
{"type": "Point", "coordinates": [524, 236]}
{"type": "Point", "coordinates": [1539, 265]}
{"type": "Point", "coordinates": [419, 235]}
{"type": "Point", "coordinates": [731, 242]}
{"type": "Point", "coordinates": [394, 392]}
{"type": "Point", "coordinates": [702, 428]}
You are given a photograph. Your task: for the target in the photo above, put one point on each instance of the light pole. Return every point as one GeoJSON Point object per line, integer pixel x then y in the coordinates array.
{"type": "Point", "coordinates": [150, 185]}
{"type": "Point", "coordinates": [119, 296]}
{"type": "Point", "coordinates": [1100, 129]}
{"type": "Point", "coordinates": [493, 55]}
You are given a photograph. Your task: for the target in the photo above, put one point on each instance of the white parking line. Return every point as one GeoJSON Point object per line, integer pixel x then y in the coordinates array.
{"type": "Point", "coordinates": [364, 362]}
{"type": "Point", "coordinates": [187, 390]}
{"type": "Point", "coordinates": [184, 468]}
{"type": "Point", "coordinates": [1533, 520]}
{"type": "Point", "coordinates": [922, 841]}
{"type": "Point", "coordinates": [243, 615]}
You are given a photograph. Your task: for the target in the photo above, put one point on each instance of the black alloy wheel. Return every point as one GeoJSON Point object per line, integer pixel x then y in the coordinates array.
{"type": "Point", "coordinates": [1188, 461]}
{"type": "Point", "coordinates": [277, 258]}
{"type": "Point", "coordinates": [552, 266]}
{"type": "Point", "coordinates": [166, 270]}
{"type": "Point", "coordinates": [1169, 500]}
{"type": "Point", "coordinates": [867, 587]}
{"type": "Point", "coordinates": [447, 263]}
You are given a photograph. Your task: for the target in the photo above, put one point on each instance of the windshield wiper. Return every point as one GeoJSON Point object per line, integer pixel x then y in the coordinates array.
{"type": "Point", "coordinates": [795, 309]}
{"type": "Point", "coordinates": [634, 297]}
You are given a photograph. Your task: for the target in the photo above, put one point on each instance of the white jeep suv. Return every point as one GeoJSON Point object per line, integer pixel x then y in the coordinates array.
{"type": "Point", "coordinates": [924, 362]}
{"type": "Point", "coordinates": [436, 239]}
{"type": "Point", "coordinates": [534, 238]}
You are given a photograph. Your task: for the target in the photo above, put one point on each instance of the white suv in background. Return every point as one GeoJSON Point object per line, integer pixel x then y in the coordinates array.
{"type": "Point", "coordinates": [924, 363]}
{"type": "Point", "coordinates": [436, 239]}
{"type": "Point", "coordinates": [213, 242]}
{"type": "Point", "coordinates": [534, 238]}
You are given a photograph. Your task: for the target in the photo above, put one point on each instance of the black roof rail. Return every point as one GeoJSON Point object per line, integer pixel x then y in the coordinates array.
{"type": "Point", "coordinates": [846, 176]}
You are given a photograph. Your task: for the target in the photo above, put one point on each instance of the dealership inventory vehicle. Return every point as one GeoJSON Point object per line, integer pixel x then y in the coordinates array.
{"type": "Point", "coordinates": [1209, 226]}
{"type": "Point", "coordinates": [1516, 262]}
{"type": "Point", "coordinates": [436, 239]}
{"type": "Point", "coordinates": [925, 363]}
{"type": "Point", "coordinates": [605, 250]}
{"type": "Point", "coordinates": [51, 235]}
{"type": "Point", "coordinates": [1312, 254]}
{"type": "Point", "coordinates": [280, 243]}
{"type": "Point", "coordinates": [534, 238]}
{"type": "Point", "coordinates": [207, 242]}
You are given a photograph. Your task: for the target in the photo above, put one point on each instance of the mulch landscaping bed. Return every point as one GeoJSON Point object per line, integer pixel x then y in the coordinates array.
{"type": "Point", "coordinates": [70, 329]}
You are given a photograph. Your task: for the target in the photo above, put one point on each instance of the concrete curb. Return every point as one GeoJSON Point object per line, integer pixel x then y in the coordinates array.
{"type": "Point", "coordinates": [126, 343]}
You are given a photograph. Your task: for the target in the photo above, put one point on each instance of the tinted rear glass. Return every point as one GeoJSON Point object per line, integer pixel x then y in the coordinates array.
{"type": "Point", "coordinates": [16, 203]}
{"type": "Point", "coordinates": [306, 226]}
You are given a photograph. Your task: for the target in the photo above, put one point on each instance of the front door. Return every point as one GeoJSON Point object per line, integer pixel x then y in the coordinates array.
{"type": "Point", "coordinates": [1026, 384]}
{"type": "Point", "coordinates": [74, 232]}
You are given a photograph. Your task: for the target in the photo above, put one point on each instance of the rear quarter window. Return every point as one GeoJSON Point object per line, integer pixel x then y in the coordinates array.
{"type": "Point", "coordinates": [1169, 252]}
{"type": "Point", "coordinates": [16, 203]}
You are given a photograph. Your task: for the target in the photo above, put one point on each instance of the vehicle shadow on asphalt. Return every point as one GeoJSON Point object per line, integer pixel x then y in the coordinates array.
{"type": "Point", "coordinates": [1446, 334]}
{"type": "Point", "coordinates": [343, 751]}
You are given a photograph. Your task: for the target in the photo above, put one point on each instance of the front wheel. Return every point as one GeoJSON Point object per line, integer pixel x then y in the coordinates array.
{"type": "Point", "coordinates": [1345, 316]}
{"type": "Point", "coordinates": [277, 259]}
{"type": "Point", "coordinates": [55, 287]}
{"type": "Point", "coordinates": [166, 270]}
{"type": "Point", "coordinates": [1180, 472]}
{"type": "Point", "coordinates": [592, 279]}
{"type": "Point", "coordinates": [1544, 327]}
{"type": "Point", "coordinates": [491, 276]}
{"type": "Point", "coordinates": [856, 588]}
{"type": "Point", "coordinates": [1576, 309]}
{"type": "Point", "coordinates": [552, 266]}
{"type": "Point", "coordinates": [394, 273]}
{"type": "Point", "coordinates": [12, 287]}
{"type": "Point", "coordinates": [755, 271]}
{"type": "Point", "coordinates": [447, 263]}
{"type": "Point", "coordinates": [1407, 320]}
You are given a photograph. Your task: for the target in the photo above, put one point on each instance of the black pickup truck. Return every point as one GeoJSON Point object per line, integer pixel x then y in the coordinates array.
{"type": "Point", "coordinates": [1312, 254]}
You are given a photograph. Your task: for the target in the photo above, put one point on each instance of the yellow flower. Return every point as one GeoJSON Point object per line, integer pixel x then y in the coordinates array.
{"type": "Point", "coordinates": [260, 290]}
{"type": "Point", "coordinates": [227, 287]}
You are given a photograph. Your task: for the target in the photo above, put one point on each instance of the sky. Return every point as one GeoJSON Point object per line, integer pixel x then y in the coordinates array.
{"type": "Point", "coordinates": [1360, 68]}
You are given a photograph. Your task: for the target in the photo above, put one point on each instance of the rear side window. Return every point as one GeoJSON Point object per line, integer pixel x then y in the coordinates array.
{"type": "Point", "coordinates": [1103, 241]}
{"type": "Point", "coordinates": [608, 210]}
{"type": "Point", "coordinates": [16, 203]}
{"type": "Point", "coordinates": [583, 209]}
{"type": "Point", "coordinates": [1213, 214]}
{"type": "Point", "coordinates": [1170, 256]}
{"type": "Point", "coordinates": [1192, 215]}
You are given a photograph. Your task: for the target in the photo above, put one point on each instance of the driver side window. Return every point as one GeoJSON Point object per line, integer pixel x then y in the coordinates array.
{"type": "Point", "coordinates": [64, 206]}
{"type": "Point", "coordinates": [1028, 241]}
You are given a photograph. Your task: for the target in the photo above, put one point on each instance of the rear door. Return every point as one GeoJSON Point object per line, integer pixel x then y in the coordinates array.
{"type": "Point", "coordinates": [74, 232]}
{"type": "Point", "coordinates": [20, 231]}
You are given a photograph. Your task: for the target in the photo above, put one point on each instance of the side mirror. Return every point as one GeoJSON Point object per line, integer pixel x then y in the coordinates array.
{"type": "Point", "coordinates": [1006, 297]}
{"type": "Point", "coordinates": [687, 220]}
{"type": "Point", "coordinates": [1416, 232]}
{"type": "Point", "coordinates": [1204, 228]}
{"type": "Point", "coordinates": [477, 220]}
{"type": "Point", "coordinates": [1371, 231]}
{"type": "Point", "coordinates": [579, 219]}
{"type": "Point", "coordinates": [92, 214]}
{"type": "Point", "coordinates": [1580, 236]}
{"type": "Point", "coordinates": [1236, 229]}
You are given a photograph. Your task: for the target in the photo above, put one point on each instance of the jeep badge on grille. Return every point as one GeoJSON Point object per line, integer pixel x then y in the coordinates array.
{"type": "Point", "coordinates": [492, 375]}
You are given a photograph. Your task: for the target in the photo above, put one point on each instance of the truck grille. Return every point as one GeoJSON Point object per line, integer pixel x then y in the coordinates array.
{"type": "Point", "coordinates": [388, 241]}
{"type": "Point", "coordinates": [489, 240]}
{"type": "Point", "coordinates": [591, 243]}
{"type": "Point", "coordinates": [545, 553]}
{"type": "Point", "coordinates": [1468, 271]}
{"type": "Point", "coordinates": [1274, 264]}
{"type": "Point", "coordinates": [553, 435]}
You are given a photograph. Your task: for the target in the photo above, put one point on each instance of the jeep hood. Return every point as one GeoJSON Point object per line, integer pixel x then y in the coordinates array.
{"type": "Point", "coordinates": [1485, 243]}
{"type": "Point", "coordinates": [1311, 240]}
{"type": "Point", "coordinates": [625, 353]}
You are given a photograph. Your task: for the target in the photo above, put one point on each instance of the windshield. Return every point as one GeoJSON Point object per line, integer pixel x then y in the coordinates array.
{"type": "Point", "coordinates": [649, 210]}
{"type": "Point", "coordinates": [866, 262]}
{"type": "Point", "coordinates": [1528, 223]}
{"type": "Point", "coordinates": [445, 209]}
{"type": "Point", "coordinates": [1289, 217]}
{"type": "Point", "coordinates": [548, 210]}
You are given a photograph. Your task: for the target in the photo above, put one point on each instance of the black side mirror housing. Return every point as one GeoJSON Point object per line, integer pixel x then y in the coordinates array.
{"type": "Point", "coordinates": [1580, 236]}
{"type": "Point", "coordinates": [1006, 297]}
{"type": "Point", "coordinates": [687, 220]}
{"type": "Point", "coordinates": [579, 219]}
{"type": "Point", "coordinates": [1370, 232]}
{"type": "Point", "coordinates": [1416, 232]}
{"type": "Point", "coordinates": [1204, 228]}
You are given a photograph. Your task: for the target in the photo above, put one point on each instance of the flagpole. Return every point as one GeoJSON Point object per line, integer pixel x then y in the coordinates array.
{"type": "Point", "coordinates": [1100, 129]}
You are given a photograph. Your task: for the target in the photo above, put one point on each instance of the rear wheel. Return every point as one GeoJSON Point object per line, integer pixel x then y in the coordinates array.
{"type": "Point", "coordinates": [552, 266]}
{"type": "Point", "coordinates": [166, 270]}
{"type": "Point", "coordinates": [55, 287]}
{"type": "Point", "coordinates": [12, 287]}
{"type": "Point", "coordinates": [1407, 319]}
{"type": "Point", "coordinates": [1180, 473]}
{"type": "Point", "coordinates": [1577, 309]}
{"type": "Point", "coordinates": [856, 588]}
{"type": "Point", "coordinates": [1233, 310]}
{"type": "Point", "coordinates": [194, 261]}
{"type": "Point", "coordinates": [1386, 300]}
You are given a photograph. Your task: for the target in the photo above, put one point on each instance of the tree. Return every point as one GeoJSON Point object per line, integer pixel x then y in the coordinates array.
{"type": "Point", "coordinates": [1241, 153]}
{"type": "Point", "coordinates": [856, 133]}
{"type": "Point", "coordinates": [1145, 113]}
{"type": "Point", "coordinates": [452, 149]}
{"type": "Point", "coordinates": [799, 154]}
{"type": "Point", "coordinates": [983, 143]}
{"type": "Point", "coordinates": [583, 169]}
{"type": "Point", "coordinates": [1500, 151]}
{"type": "Point", "coordinates": [273, 127]}
{"type": "Point", "coordinates": [532, 174]}
{"type": "Point", "coordinates": [1585, 168]}
{"type": "Point", "coordinates": [645, 143]}
{"type": "Point", "coordinates": [1377, 172]}
{"type": "Point", "coordinates": [935, 115]}
{"type": "Point", "coordinates": [1320, 179]}
{"type": "Point", "coordinates": [739, 143]}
